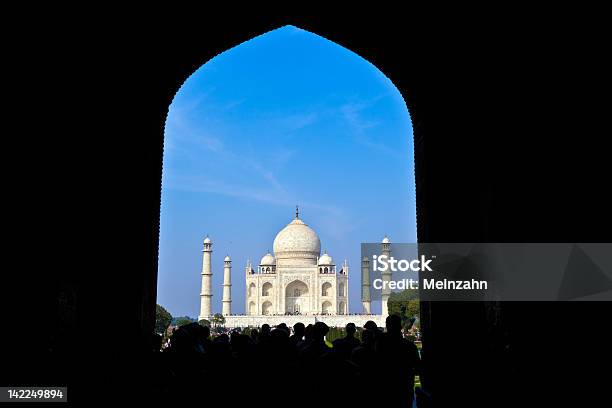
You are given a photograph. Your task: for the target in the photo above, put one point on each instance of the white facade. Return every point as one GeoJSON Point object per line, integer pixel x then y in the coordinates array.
{"type": "Point", "coordinates": [296, 283]}
{"type": "Point", "coordinates": [297, 279]}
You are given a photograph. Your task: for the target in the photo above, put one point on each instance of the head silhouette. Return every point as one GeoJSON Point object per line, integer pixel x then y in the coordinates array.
{"type": "Point", "coordinates": [368, 337]}
{"type": "Point", "coordinates": [298, 329]}
{"type": "Point", "coordinates": [350, 329]}
{"type": "Point", "coordinates": [394, 325]}
{"type": "Point", "coordinates": [309, 332]}
{"type": "Point", "coordinates": [370, 325]}
{"type": "Point", "coordinates": [279, 335]}
{"type": "Point", "coordinates": [320, 330]}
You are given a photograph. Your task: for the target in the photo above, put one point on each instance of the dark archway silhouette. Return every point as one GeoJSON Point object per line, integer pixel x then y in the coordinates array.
{"type": "Point", "coordinates": [482, 95]}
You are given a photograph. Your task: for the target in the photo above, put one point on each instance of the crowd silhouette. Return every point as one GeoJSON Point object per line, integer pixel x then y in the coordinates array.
{"type": "Point", "coordinates": [280, 366]}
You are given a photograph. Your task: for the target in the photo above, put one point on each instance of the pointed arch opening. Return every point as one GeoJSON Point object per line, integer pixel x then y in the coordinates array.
{"type": "Point", "coordinates": [371, 120]}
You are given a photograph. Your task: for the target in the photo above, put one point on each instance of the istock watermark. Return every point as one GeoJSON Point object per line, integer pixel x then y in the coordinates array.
{"type": "Point", "coordinates": [488, 271]}
{"type": "Point", "coordinates": [383, 263]}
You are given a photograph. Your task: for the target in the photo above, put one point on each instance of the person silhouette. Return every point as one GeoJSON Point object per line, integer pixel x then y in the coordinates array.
{"type": "Point", "coordinates": [265, 331]}
{"type": "Point", "coordinates": [254, 336]}
{"type": "Point", "coordinates": [316, 348]}
{"type": "Point", "coordinates": [399, 359]}
{"type": "Point", "coordinates": [364, 355]}
{"type": "Point", "coordinates": [298, 334]}
{"type": "Point", "coordinates": [344, 347]}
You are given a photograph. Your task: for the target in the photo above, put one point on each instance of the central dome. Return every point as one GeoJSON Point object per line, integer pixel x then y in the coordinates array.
{"type": "Point", "coordinates": [297, 241]}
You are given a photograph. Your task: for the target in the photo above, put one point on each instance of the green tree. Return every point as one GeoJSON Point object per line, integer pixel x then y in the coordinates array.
{"type": "Point", "coordinates": [163, 318]}
{"type": "Point", "coordinates": [404, 304]}
{"type": "Point", "coordinates": [204, 322]}
{"type": "Point", "coordinates": [183, 320]}
{"type": "Point", "coordinates": [218, 320]}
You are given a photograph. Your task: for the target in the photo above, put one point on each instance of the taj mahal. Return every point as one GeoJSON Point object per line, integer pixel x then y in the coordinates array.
{"type": "Point", "coordinates": [296, 283]}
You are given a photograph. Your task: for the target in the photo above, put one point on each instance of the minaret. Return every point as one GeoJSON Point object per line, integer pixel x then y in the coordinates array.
{"type": "Point", "coordinates": [345, 268]}
{"type": "Point", "coordinates": [206, 294]}
{"type": "Point", "coordinates": [227, 286]}
{"type": "Point", "coordinates": [365, 286]}
{"type": "Point", "coordinates": [386, 276]}
{"type": "Point", "coordinates": [248, 270]}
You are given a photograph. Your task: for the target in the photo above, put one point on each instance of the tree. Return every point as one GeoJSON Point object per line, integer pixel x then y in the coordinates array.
{"type": "Point", "coordinates": [183, 320]}
{"type": "Point", "coordinates": [218, 320]}
{"type": "Point", "coordinates": [163, 318]}
{"type": "Point", "coordinates": [406, 305]}
{"type": "Point", "coordinates": [204, 322]}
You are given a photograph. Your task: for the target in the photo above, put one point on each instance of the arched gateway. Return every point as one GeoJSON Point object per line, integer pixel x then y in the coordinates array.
{"type": "Point", "coordinates": [296, 298]}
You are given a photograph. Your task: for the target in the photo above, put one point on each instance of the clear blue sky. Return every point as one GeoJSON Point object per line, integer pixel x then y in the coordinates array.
{"type": "Point", "coordinates": [283, 119]}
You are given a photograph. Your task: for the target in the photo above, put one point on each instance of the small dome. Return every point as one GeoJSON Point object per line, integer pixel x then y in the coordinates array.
{"type": "Point", "coordinates": [207, 240]}
{"type": "Point", "coordinates": [268, 259]}
{"type": "Point", "coordinates": [386, 240]}
{"type": "Point", "coordinates": [227, 258]}
{"type": "Point", "coordinates": [326, 259]}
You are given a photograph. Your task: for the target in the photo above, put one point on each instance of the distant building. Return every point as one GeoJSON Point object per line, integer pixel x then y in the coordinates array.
{"type": "Point", "coordinates": [297, 283]}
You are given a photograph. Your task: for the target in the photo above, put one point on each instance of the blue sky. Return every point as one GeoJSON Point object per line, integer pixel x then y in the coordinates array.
{"type": "Point", "coordinates": [283, 119]}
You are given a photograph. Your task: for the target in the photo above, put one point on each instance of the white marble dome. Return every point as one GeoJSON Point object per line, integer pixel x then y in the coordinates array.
{"type": "Point", "coordinates": [268, 259]}
{"type": "Point", "coordinates": [386, 240]}
{"type": "Point", "coordinates": [326, 259]}
{"type": "Point", "coordinates": [297, 240]}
